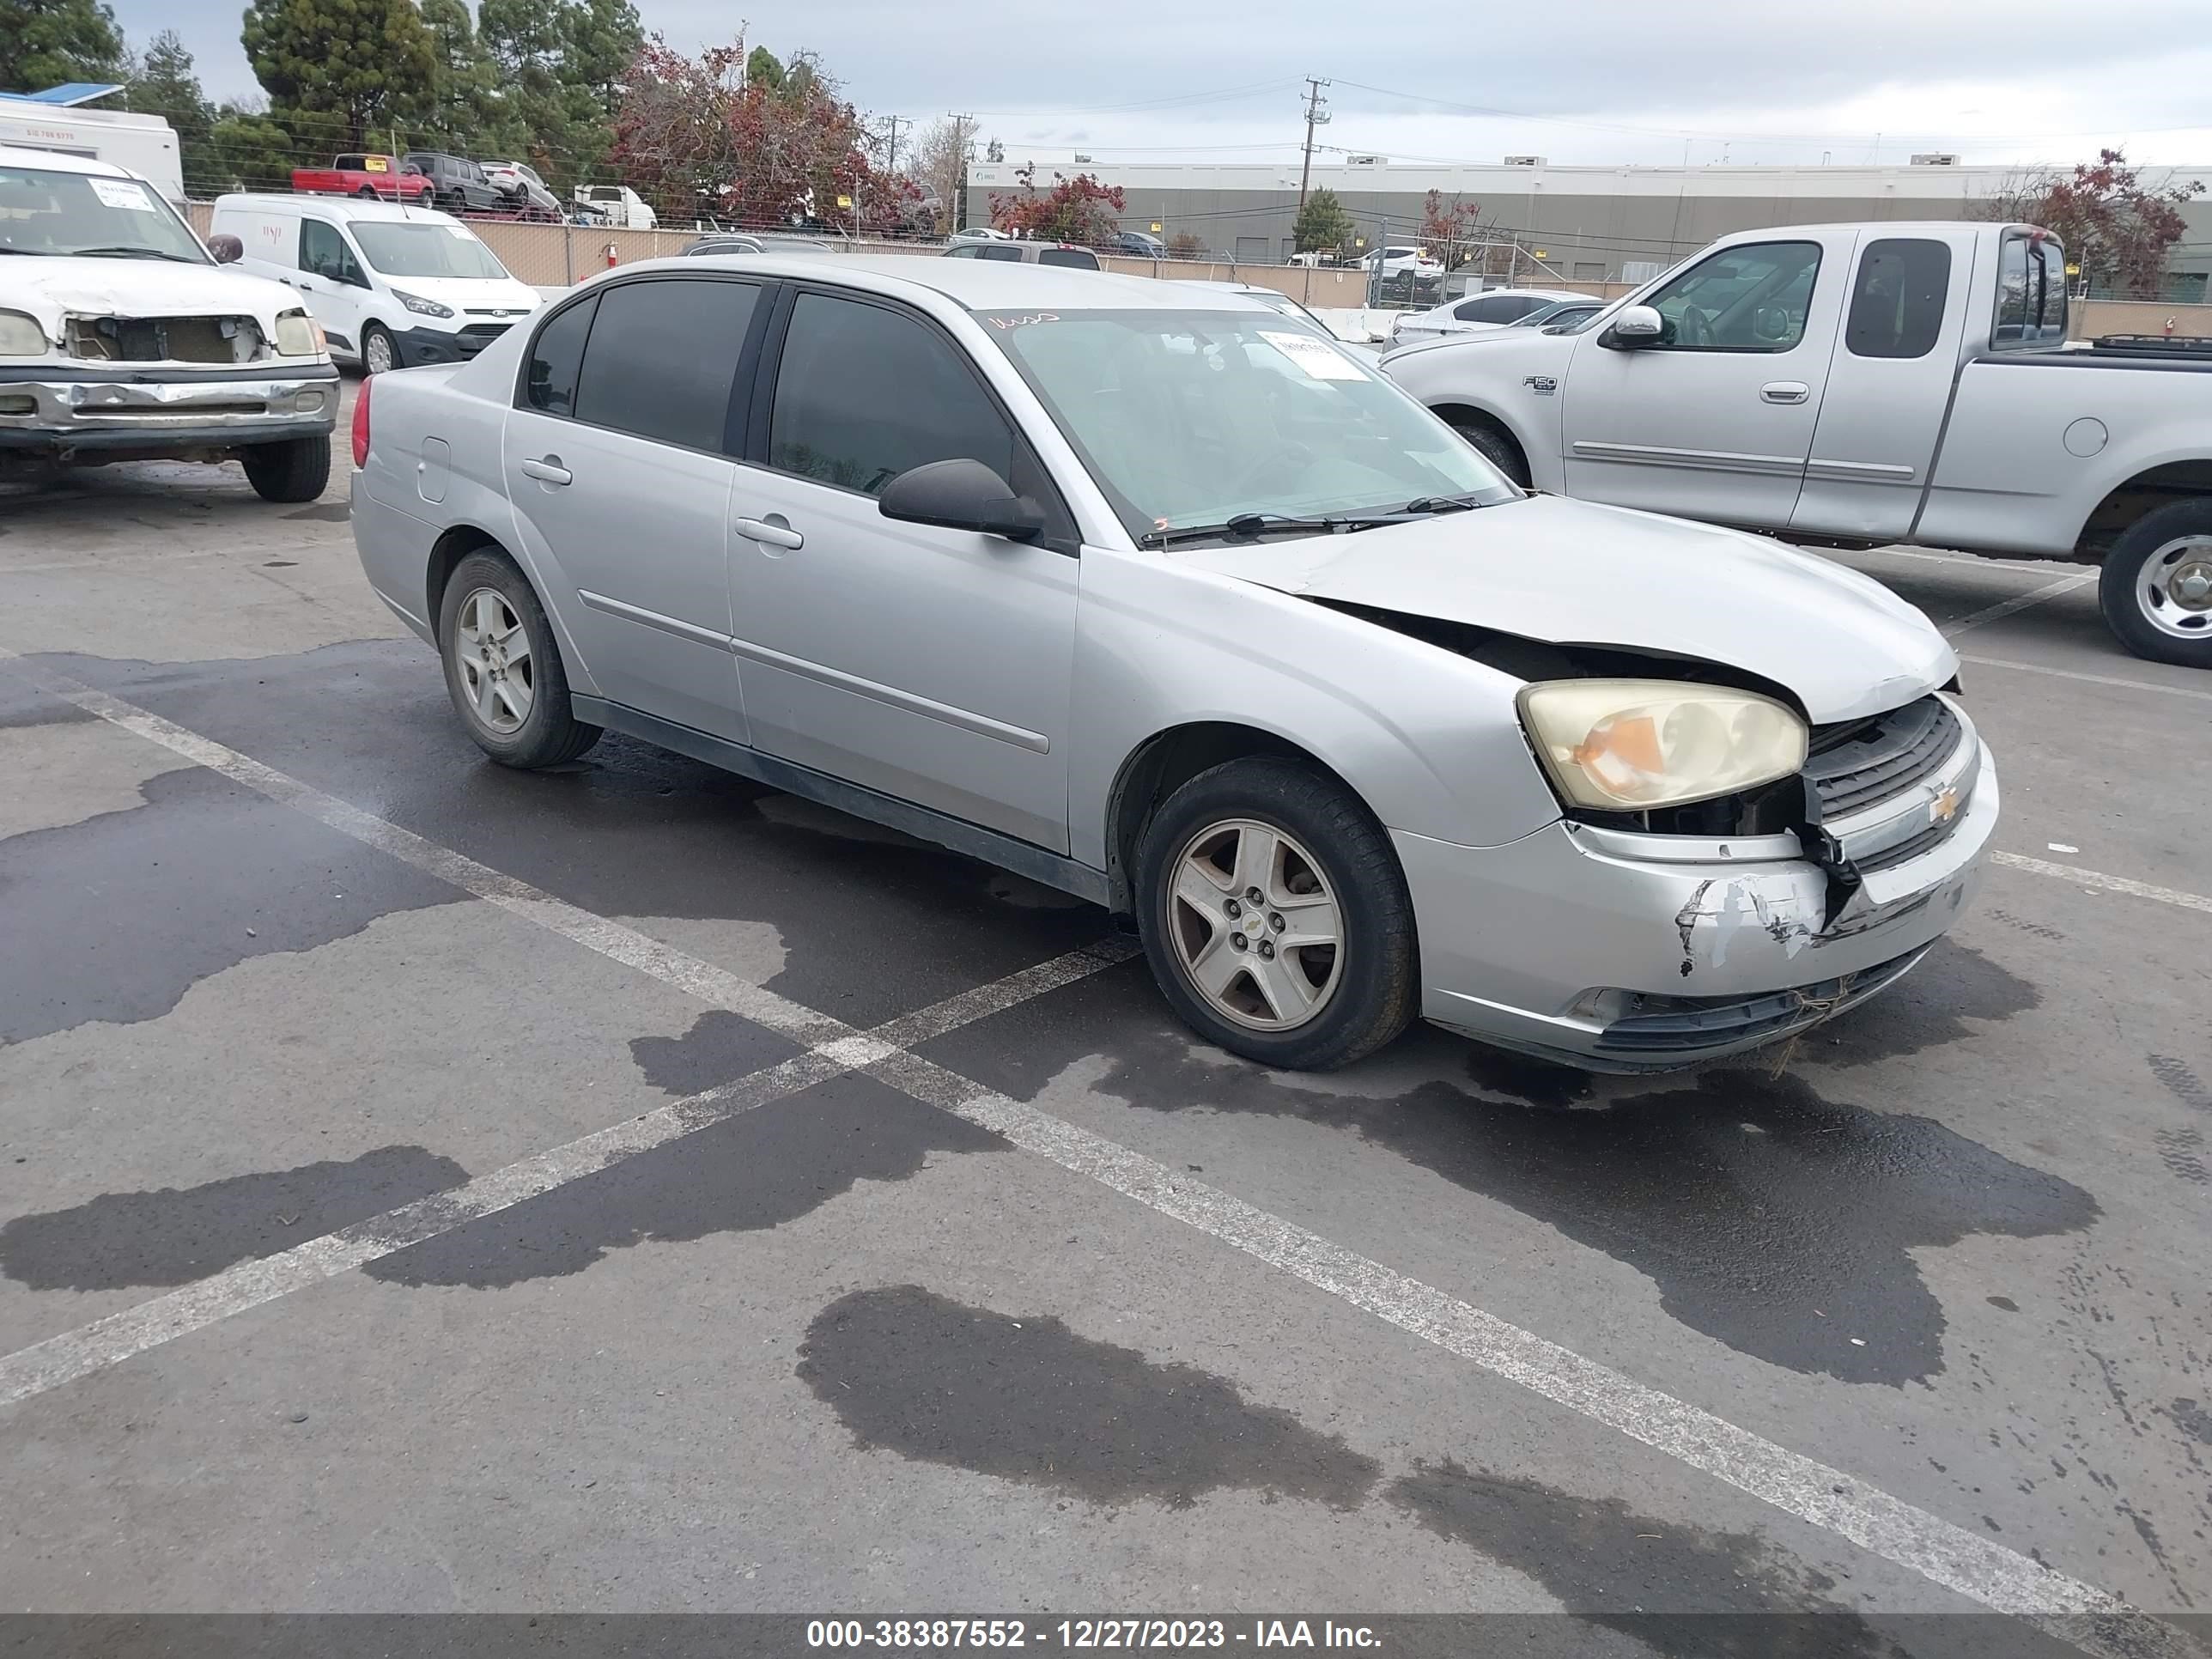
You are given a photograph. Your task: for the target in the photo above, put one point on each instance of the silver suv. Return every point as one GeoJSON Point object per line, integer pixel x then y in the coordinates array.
{"type": "Point", "coordinates": [1162, 598]}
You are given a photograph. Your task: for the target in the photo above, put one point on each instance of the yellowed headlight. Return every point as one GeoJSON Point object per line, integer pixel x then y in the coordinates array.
{"type": "Point", "coordinates": [1626, 745]}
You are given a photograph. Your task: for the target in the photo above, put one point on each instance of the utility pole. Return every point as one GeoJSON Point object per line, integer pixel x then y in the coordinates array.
{"type": "Point", "coordinates": [964, 127]}
{"type": "Point", "coordinates": [890, 164]}
{"type": "Point", "coordinates": [1316, 115]}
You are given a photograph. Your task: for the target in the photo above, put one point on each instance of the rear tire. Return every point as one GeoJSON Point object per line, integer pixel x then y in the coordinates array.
{"type": "Point", "coordinates": [297, 470]}
{"type": "Point", "coordinates": [514, 703]}
{"type": "Point", "coordinates": [2152, 591]}
{"type": "Point", "coordinates": [1324, 867]}
{"type": "Point", "coordinates": [1497, 448]}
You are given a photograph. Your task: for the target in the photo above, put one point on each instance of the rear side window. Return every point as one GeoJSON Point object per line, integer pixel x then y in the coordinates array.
{"type": "Point", "coordinates": [663, 356]}
{"type": "Point", "coordinates": [1897, 303]}
{"type": "Point", "coordinates": [1081, 257]}
{"type": "Point", "coordinates": [2031, 295]}
{"type": "Point", "coordinates": [864, 392]}
{"type": "Point", "coordinates": [556, 355]}
{"type": "Point", "coordinates": [999, 251]}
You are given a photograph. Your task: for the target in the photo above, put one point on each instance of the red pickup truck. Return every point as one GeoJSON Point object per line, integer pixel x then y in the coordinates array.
{"type": "Point", "coordinates": [364, 175]}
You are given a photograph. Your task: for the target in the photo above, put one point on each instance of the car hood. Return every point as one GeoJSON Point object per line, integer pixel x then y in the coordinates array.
{"type": "Point", "coordinates": [1574, 573]}
{"type": "Point", "coordinates": [470, 293]}
{"type": "Point", "coordinates": [50, 288]}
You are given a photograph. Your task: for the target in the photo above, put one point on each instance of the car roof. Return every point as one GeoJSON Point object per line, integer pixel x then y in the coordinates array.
{"type": "Point", "coordinates": [974, 284]}
{"type": "Point", "coordinates": [334, 207]}
{"type": "Point", "coordinates": [52, 160]}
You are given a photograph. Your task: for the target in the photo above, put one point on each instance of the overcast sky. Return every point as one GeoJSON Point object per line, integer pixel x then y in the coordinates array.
{"type": "Point", "coordinates": [1602, 80]}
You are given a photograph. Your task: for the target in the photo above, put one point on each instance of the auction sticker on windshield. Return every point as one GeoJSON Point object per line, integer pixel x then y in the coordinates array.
{"type": "Point", "coordinates": [121, 193]}
{"type": "Point", "coordinates": [1320, 360]}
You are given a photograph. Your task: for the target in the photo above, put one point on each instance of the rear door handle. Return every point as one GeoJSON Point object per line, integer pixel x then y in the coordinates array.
{"type": "Point", "coordinates": [771, 531]}
{"type": "Point", "coordinates": [548, 471]}
{"type": "Point", "coordinates": [1786, 392]}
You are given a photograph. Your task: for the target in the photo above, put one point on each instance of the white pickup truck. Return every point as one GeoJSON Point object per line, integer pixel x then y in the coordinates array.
{"type": "Point", "coordinates": [1864, 385]}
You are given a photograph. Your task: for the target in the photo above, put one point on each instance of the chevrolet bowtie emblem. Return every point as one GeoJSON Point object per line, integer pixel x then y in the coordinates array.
{"type": "Point", "coordinates": [1944, 807]}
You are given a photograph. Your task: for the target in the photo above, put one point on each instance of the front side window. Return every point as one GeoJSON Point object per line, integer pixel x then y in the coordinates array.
{"type": "Point", "coordinates": [1897, 303]}
{"type": "Point", "coordinates": [323, 253]}
{"type": "Point", "coordinates": [1189, 418]}
{"type": "Point", "coordinates": [417, 247]}
{"type": "Point", "coordinates": [1752, 298]}
{"type": "Point", "coordinates": [2031, 295]}
{"type": "Point", "coordinates": [863, 394]}
{"type": "Point", "coordinates": [663, 357]}
{"type": "Point", "coordinates": [47, 211]}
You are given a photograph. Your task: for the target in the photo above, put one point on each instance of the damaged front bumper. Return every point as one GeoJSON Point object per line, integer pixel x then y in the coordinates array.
{"type": "Point", "coordinates": [1619, 951]}
{"type": "Point", "coordinates": [120, 414]}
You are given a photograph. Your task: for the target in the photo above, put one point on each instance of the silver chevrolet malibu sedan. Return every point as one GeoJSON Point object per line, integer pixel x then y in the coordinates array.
{"type": "Point", "coordinates": [1163, 599]}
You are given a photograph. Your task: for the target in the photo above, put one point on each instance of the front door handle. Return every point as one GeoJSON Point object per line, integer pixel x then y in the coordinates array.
{"type": "Point", "coordinates": [1786, 392]}
{"type": "Point", "coordinates": [771, 531]}
{"type": "Point", "coordinates": [548, 470]}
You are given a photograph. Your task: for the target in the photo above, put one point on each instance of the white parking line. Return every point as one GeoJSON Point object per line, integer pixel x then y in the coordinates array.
{"type": "Point", "coordinates": [2034, 596]}
{"type": "Point", "coordinates": [1998, 1577]}
{"type": "Point", "coordinates": [2080, 878]}
{"type": "Point", "coordinates": [2088, 679]}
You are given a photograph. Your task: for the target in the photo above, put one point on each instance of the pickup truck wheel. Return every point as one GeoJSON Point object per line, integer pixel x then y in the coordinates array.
{"type": "Point", "coordinates": [378, 355]}
{"type": "Point", "coordinates": [2156, 589]}
{"type": "Point", "coordinates": [1274, 915]}
{"type": "Point", "coordinates": [297, 470]}
{"type": "Point", "coordinates": [1499, 450]}
{"type": "Point", "coordinates": [502, 669]}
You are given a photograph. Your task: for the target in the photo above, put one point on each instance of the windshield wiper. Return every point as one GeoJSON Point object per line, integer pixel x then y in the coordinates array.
{"type": "Point", "coordinates": [1249, 526]}
{"type": "Point", "coordinates": [122, 251]}
{"type": "Point", "coordinates": [1429, 504]}
{"type": "Point", "coordinates": [30, 253]}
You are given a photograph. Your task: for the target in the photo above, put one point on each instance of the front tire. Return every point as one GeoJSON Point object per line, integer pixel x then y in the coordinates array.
{"type": "Point", "coordinates": [504, 669]}
{"type": "Point", "coordinates": [1499, 450]}
{"type": "Point", "coordinates": [297, 470]}
{"type": "Point", "coordinates": [2156, 588]}
{"type": "Point", "coordinates": [378, 355]}
{"type": "Point", "coordinates": [1274, 915]}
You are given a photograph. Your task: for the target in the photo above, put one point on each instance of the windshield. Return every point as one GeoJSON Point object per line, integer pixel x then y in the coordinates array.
{"type": "Point", "coordinates": [424, 248]}
{"type": "Point", "coordinates": [1189, 418]}
{"type": "Point", "coordinates": [48, 212]}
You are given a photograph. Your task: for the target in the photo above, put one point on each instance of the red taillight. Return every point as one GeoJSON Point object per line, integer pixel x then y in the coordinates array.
{"type": "Point", "coordinates": [361, 423]}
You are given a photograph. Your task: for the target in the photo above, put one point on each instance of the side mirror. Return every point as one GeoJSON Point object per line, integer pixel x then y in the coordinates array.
{"type": "Point", "coordinates": [1638, 325]}
{"type": "Point", "coordinates": [961, 494]}
{"type": "Point", "coordinates": [228, 249]}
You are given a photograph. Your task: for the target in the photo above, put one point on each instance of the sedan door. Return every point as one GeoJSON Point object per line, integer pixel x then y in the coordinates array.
{"type": "Point", "coordinates": [617, 463]}
{"type": "Point", "coordinates": [927, 664]}
{"type": "Point", "coordinates": [1714, 421]}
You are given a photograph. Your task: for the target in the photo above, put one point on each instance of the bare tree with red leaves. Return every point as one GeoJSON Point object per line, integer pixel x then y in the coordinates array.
{"type": "Point", "coordinates": [1078, 209]}
{"type": "Point", "coordinates": [2117, 230]}
{"type": "Point", "coordinates": [1447, 227]}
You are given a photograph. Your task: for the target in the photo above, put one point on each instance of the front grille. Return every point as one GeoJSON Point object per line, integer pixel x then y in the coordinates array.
{"type": "Point", "coordinates": [166, 339]}
{"type": "Point", "coordinates": [1854, 764]}
{"type": "Point", "coordinates": [1694, 1023]}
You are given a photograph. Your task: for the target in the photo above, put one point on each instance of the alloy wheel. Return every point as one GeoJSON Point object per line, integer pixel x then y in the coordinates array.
{"type": "Point", "coordinates": [1254, 924]}
{"type": "Point", "coordinates": [493, 650]}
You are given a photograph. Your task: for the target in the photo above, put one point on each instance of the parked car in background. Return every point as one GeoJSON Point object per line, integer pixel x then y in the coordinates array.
{"type": "Point", "coordinates": [393, 286]}
{"type": "Point", "coordinates": [1401, 272]}
{"type": "Point", "coordinates": [617, 205]}
{"type": "Point", "coordinates": [1868, 384]}
{"type": "Point", "coordinates": [1033, 253]}
{"type": "Point", "coordinates": [457, 184]}
{"type": "Point", "coordinates": [979, 233]}
{"type": "Point", "coordinates": [1494, 309]}
{"type": "Point", "coordinates": [123, 340]}
{"type": "Point", "coordinates": [1165, 601]}
{"type": "Point", "coordinates": [1284, 306]}
{"type": "Point", "coordinates": [523, 191]}
{"type": "Point", "coordinates": [361, 175]}
{"type": "Point", "coordinates": [733, 241]}
{"type": "Point", "coordinates": [1138, 244]}
{"type": "Point", "coordinates": [1568, 313]}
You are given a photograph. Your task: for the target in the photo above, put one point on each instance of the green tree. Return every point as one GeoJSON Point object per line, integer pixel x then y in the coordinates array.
{"type": "Point", "coordinates": [764, 68]}
{"type": "Point", "coordinates": [348, 70]}
{"type": "Point", "coordinates": [469, 114]}
{"type": "Point", "coordinates": [246, 150]}
{"type": "Point", "coordinates": [561, 68]}
{"type": "Point", "coordinates": [162, 83]}
{"type": "Point", "coordinates": [45, 43]}
{"type": "Point", "coordinates": [1322, 223]}
{"type": "Point", "coordinates": [600, 40]}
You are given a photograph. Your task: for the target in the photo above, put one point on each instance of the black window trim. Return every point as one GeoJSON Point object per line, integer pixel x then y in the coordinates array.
{"type": "Point", "coordinates": [741, 378]}
{"type": "Point", "coordinates": [1062, 536]}
{"type": "Point", "coordinates": [2034, 253]}
{"type": "Point", "coordinates": [1820, 261]}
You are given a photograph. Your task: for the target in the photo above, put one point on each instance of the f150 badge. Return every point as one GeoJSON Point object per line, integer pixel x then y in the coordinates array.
{"type": "Point", "coordinates": [1542, 385]}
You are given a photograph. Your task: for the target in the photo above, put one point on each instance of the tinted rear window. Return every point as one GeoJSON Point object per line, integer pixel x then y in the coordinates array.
{"type": "Point", "coordinates": [662, 359]}
{"type": "Point", "coordinates": [1081, 257]}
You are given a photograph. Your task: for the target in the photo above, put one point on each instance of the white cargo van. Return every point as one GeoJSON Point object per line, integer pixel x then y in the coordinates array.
{"type": "Point", "coordinates": [142, 144]}
{"type": "Point", "coordinates": [393, 287]}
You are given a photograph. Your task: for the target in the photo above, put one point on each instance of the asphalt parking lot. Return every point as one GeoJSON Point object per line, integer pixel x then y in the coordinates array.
{"type": "Point", "coordinates": [425, 1187]}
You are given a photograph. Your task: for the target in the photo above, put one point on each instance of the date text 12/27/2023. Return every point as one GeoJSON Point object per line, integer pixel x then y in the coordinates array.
{"type": "Point", "coordinates": [1086, 1633]}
